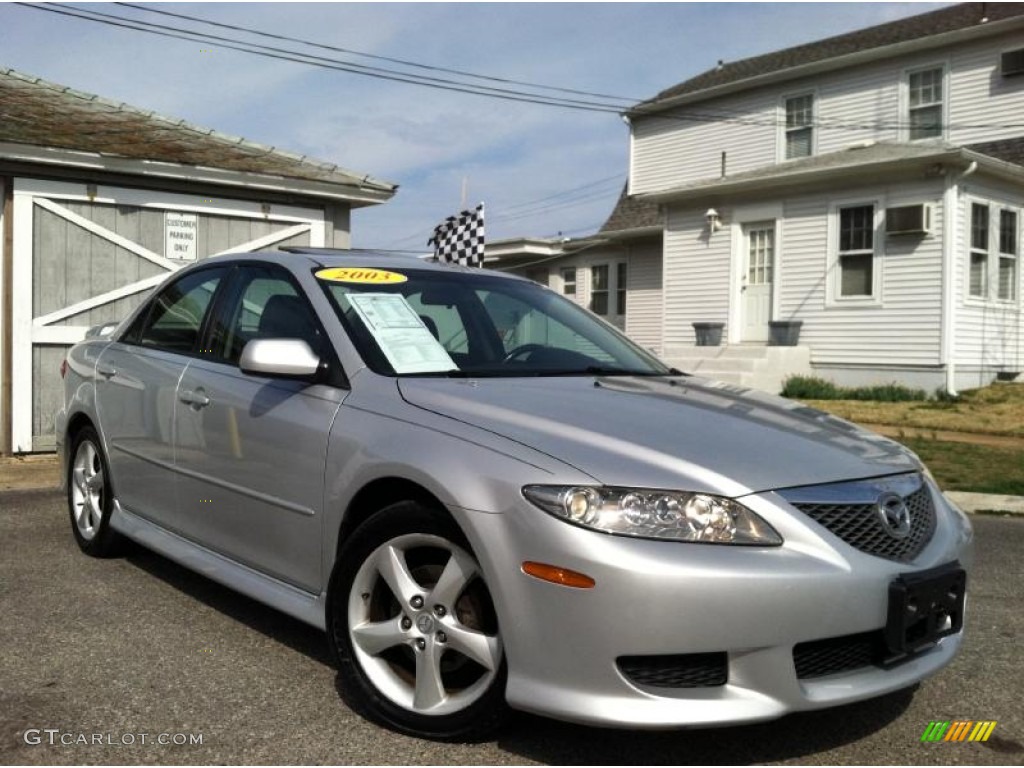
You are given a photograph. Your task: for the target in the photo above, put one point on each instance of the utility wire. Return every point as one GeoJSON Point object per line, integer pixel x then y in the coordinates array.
{"type": "Point", "coordinates": [325, 63]}
{"type": "Point", "coordinates": [693, 116]}
{"type": "Point", "coordinates": [377, 57]}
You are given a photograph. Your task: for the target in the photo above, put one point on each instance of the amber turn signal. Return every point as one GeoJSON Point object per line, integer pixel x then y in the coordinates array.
{"type": "Point", "coordinates": [556, 575]}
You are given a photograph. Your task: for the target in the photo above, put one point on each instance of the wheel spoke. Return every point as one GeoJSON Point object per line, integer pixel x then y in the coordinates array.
{"type": "Point", "coordinates": [80, 481]}
{"type": "Point", "coordinates": [375, 637]}
{"type": "Point", "coordinates": [429, 686]}
{"type": "Point", "coordinates": [95, 513]}
{"type": "Point", "coordinates": [485, 650]}
{"type": "Point", "coordinates": [392, 566]}
{"type": "Point", "coordinates": [457, 574]}
{"type": "Point", "coordinates": [95, 483]}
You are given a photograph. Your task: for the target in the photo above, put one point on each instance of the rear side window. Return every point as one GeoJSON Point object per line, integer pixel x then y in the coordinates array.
{"type": "Point", "coordinates": [176, 315]}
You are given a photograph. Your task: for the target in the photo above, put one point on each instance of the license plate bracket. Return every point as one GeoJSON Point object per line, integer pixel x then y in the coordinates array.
{"type": "Point", "coordinates": [924, 606]}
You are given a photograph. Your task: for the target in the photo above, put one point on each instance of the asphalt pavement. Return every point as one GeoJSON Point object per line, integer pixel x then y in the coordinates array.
{"type": "Point", "coordinates": [96, 653]}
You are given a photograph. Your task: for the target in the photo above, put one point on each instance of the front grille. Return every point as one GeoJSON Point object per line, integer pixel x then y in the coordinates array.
{"type": "Point", "coordinates": [691, 670]}
{"type": "Point", "coordinates": [818, 658]}
{"type": "Point", "coordinates": [857, 521]}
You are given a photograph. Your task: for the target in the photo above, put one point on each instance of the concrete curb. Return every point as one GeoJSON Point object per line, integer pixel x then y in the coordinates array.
{"type": "Point", "coordinates": [974, 503]}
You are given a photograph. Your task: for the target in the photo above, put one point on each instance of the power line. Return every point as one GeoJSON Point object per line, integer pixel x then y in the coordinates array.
{"type": "Point", "coordinates": [326, 63]}
{"type": "Point", "coordinates": [694, 116]}
{"type": "Point", "coordinates": [377, 57]}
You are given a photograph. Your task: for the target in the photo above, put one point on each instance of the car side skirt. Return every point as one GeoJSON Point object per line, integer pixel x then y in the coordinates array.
{"type": "Point", "coordinates": [304, 606]}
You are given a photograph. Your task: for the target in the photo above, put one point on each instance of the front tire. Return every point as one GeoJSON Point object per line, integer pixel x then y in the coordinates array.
{"type": "Point", "coordinates": [90, 501]}
{"type": "Point", "coordinates": [413, 627]}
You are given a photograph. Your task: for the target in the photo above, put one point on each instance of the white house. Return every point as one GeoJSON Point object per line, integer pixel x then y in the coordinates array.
{"type": "Point", "coordinates": [867, 187]}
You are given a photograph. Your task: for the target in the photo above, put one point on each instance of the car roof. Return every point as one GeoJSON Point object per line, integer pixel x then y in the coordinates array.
{"type": "Point", "coordinates": [371, 259]}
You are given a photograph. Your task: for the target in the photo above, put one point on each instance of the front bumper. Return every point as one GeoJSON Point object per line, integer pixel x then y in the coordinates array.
{"type": "Point", "coordinates": [665, 598]}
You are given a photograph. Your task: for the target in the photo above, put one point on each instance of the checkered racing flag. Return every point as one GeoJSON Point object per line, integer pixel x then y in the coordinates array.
{"type": "Point", "coordinates": [460, 239]}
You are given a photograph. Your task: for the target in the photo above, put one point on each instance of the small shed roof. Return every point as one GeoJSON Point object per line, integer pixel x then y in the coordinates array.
{"type": "Point", "coordinates": [39, 113]}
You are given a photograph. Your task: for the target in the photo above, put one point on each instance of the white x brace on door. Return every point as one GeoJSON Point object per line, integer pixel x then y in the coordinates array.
{"type": "Point", "coordinates": [83, 256]}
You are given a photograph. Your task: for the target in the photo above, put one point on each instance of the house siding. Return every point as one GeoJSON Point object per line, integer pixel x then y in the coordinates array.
{"type": "Point", "coordinates": [645, 296]}
{"type": "Point", "coordinates": [696, 276]}
{"type": "Point", "coordinates": [903, 329]}
{"type": "Point", "coordinates": [853, 105]}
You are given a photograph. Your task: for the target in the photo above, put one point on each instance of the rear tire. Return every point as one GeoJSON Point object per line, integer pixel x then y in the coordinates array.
{"type": "Point", "coordinates": [413, 628]}
{"type": "Point", "coordinates": [90, 500]}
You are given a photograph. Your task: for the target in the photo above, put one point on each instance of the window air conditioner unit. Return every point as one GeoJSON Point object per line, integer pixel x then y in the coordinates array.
{"type": "Point", "coordinates": [908, 220]}
{"type": "Point", "coordinates": [1011, 63]}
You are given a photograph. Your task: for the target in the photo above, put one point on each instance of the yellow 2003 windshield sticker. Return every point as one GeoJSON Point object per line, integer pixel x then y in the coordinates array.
{"type": "Point", "coordinates": [360, 275]}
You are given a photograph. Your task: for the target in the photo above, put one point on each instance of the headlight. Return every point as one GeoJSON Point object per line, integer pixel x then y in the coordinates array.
{"type": "Point", "coordinates": [649, 514]}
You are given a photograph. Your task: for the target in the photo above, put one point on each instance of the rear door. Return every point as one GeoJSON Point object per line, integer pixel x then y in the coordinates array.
{"type": "Point", "coordinates": [251, 449]}
{"type": "Point", "coordinates": [136, 381]}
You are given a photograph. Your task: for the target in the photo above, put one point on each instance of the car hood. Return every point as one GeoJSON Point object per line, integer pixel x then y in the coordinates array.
{"type": "Point", "coordinates": [685, 433]}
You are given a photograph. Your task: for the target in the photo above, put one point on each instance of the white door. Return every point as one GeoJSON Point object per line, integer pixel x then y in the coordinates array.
{"type": "Point", "coordinates": [756, 287]}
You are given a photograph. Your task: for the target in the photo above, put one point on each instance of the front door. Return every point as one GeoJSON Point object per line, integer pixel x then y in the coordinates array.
{"type": "Point", "coordinates": [249, 449]}
{"type": "Point", "coordinates": [758, 274]}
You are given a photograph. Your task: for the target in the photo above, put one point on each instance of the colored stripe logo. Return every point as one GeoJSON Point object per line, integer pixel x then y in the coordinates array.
{"type": "Point", "coordinates": [958, 730]}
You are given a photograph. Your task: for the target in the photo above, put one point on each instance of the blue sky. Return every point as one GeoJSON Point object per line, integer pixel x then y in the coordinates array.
{"type": "Point", "coordinates": [429, 141]}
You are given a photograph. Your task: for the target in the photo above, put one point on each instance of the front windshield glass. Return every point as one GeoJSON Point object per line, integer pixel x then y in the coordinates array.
{"type": "Point", "coordinates": [435, 323]}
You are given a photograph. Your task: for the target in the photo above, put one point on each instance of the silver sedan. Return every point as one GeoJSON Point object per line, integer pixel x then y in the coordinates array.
{"type": "Point", "coordinates": [490, 499]}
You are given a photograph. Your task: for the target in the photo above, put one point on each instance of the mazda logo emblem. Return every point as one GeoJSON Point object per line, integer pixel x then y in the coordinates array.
{"type": "Point", "coordinates": [894, 515]}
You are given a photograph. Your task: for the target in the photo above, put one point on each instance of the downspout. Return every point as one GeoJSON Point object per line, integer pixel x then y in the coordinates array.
{"type": "Point", "coordinates": [950, 216]}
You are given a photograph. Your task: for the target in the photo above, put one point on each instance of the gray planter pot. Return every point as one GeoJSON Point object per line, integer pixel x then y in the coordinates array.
{"type": "Point", "coordinates": [708, 334]}
{"type": "Point", "coordinates": [784, 333]}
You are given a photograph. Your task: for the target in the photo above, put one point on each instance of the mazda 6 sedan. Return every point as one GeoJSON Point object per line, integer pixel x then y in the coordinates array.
{"type": "Point", "coordinates": [490, 499]}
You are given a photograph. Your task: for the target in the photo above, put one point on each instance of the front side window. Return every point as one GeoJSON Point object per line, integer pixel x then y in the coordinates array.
{"type": "Point", "coordinates": [925, 103]}
{"type": "Point", "coordinates": [799, 126]}
{"type": "Point", "coordinates": [979, 251]}
{"type": "Point", "coordinates": [1009, 237]}
{"type": "Point", "coordinates": [264, 304]}
{"type": "Point", "coordinates": [856, 251]}
{"type": "Point", "coordinates": [174, 321]}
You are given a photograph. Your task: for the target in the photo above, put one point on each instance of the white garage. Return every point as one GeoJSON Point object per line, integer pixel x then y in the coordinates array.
{"type": "Point", "coordinates": [101, 201]}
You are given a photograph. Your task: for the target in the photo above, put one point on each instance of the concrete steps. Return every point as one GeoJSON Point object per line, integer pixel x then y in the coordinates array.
{"type": "Point", "coordinates": [756, 366]}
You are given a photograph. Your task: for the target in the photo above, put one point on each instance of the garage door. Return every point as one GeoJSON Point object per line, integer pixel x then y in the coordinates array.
{"type": "Point", "coordinates": [85, 255]}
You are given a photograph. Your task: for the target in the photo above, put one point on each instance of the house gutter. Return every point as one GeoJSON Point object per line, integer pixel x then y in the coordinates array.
{"type": "Point", "coordinates": [950, 216]}
{"type": "Point", "coordinates": [359, 192]}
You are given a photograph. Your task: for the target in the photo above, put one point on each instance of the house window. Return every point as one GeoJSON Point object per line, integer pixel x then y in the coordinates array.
{"type": "Point", "coordinates": [924, 92]}
{"type": "Point", "coordinates": [599, 289]}
{"type": "Point", "coordinates": [1008, 239]}
{"type": "Point", "coordinates": [568, 281]}
{"type": "Point", "coordinates": [620, 288]}
{"type": "Point", "coordinates": [979, 251]}
{"type": "Point", "coordinates": [799, 126]}
{"type": "Point", "coordinates": [856, 251]}
{"type": "Point", "coordinates": [538, 275]}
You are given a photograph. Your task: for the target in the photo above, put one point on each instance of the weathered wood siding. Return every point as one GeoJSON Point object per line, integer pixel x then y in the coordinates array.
{"type": "Point", "coordinates": [853, 104]}
{"type": "Point", "coordinates": [71, 265]}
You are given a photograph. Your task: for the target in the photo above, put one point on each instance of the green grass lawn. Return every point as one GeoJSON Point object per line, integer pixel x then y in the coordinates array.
{"type": "Point", "coordinates": [967, 467]}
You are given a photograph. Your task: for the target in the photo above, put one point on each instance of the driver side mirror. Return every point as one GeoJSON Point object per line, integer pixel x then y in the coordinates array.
{"type": "Point", "coordinates": [279, 357]}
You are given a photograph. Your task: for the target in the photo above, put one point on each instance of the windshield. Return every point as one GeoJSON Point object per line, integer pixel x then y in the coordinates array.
{"type": "Point", "coordinates": [412, 322]}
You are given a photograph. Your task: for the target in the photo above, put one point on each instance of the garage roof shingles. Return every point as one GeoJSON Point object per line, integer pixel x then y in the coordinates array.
{"type": "Point", "coordinates": [44, 114]}
{"type": "Point", "coordinates": [631, 213]}
{"type": "Point", "coordinates": [923, 25]}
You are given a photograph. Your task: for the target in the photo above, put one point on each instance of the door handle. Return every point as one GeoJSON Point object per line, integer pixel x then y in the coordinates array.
{"type": "Point", "coordinates": [106, 371]}
{"type": "Point", "coordinates": [196, 399]}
